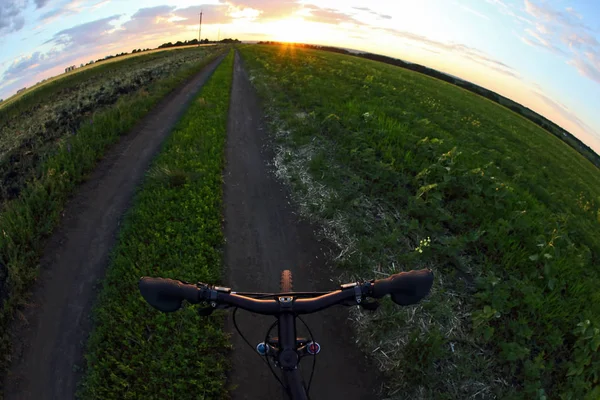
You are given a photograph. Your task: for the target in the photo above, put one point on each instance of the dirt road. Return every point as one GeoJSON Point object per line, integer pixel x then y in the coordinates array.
{"type": "Point", "coordinates": [49, 342]}
{"type": "Point", "coordinates": [263, 237]}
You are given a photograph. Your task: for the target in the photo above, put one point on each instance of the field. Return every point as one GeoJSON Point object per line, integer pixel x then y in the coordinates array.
{"type": "Point", "coordinates": [399, 171]}
{"type": "Point", "coordinates": [90, 66]}
{"type": "Point", "coordinates": [403, 171]}
{"type": "Point", "coordinates": [50, 140]}
{"type": "Point", "coordinates": [173, 230]}
{"type": "Point", "coordinates": [36, 124]}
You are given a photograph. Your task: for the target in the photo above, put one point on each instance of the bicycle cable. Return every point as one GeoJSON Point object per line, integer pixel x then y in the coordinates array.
{"type": "Point", "coordinates": [273, 325]}
{"type": "Point", "coordinates": [312, 338]}
{"type": "Point", "coordinates": [266, 361]}
{"type": "Point", "coordinates": [237, 328]}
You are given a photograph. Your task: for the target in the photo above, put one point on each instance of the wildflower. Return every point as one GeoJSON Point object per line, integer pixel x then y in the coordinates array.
{"type": "Point", "coordinates": [422, 244]}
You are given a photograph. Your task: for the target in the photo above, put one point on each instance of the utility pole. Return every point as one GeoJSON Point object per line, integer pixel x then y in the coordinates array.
{"type": "Point", "coordinates": [200, 29]}
{"type": "Point", "coordinates": [219, 37]}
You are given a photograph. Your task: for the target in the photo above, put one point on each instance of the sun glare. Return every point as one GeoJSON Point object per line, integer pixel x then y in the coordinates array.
{"type": "Point", "coordinates": [290, 30]}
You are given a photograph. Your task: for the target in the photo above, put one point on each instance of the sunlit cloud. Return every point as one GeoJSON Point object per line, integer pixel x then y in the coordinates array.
{"type": "Point", "coordinates": [375, 13]}
{"type": "Point", "coordinates": [511, 11]}
{"type": "Point", "coordinates": [573, 12]}
{"type": "Point", "coordinates": [541, 28]}
{"type": "Point", "coordinates": [462, 50]}
{"type": "Point", "coordinates": [568, 37]}
{"type": "Point", "coordinates": [588, 65]}
{"type": "Point", "coordinates": [329, 15]}
{"type": "Point", "coordinates": [566, 118]}
{"type": "Point", "coordinates": [474, 12]}
{"type": "Point", "coordinates": [73, 7]}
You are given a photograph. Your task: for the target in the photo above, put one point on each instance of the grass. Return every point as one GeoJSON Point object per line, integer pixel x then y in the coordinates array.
{"type": "Point", "coordinates": [403, 171]}
{"type": "Point", "coordinates": [33, 127]}
{"type": "Point", "coordinates": [27, 220]}
{"type": "Point", "coordinates": [173, 230]}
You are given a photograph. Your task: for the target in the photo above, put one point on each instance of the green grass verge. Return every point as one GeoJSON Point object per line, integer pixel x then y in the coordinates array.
{"type": "Point", "coordinates": [26, 221]}
{"type": "Point", "coordinates": [404, 171]}
{"type": "Point", "coordinates": [173, 230]}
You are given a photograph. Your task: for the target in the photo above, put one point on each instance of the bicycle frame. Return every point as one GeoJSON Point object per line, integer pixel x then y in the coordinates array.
{"type": "Point", "coordinates": [288, 357]}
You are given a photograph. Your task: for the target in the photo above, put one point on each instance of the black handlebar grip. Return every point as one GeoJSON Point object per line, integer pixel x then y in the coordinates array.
{"type": "Point", "coordinates": [167, 294]}
{"type": "Point", "coordinates": [405, 288]}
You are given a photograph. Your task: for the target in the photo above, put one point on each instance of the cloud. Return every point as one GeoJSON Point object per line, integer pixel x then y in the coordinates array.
{"type": "Point", "coordinates": [545, 12]}
{"type": "Point", "coordinates": [541, 28]}
{"type": "Point", "coordinates": [25, 69]}
{"type": "Point", "coordinates": [329, 15]}
{"type": "Point", "coordinates": [541, 41]}
{"type": "Point", "coordinates": [565, 34]}
{"type": "Point", "coordinates": [565, 113]}
{"type": "Point", "coordinates": [153, 12]}
{"type": "Point", "coordinates": [507, 9]}
{"type": "Point", "coordinates": [147, 27]}
{"type": "Point", "coordinates": [379, 15]}
{"type": "Point", "coordinates": [86, 34]}
{"type": "Point", "coordinates": [11, 19]}
{"type": "Point", "coordinates": [499, 3]}
{"type": "Point", "coordinates": [53, 14]}
{"type": "Point", "coordinates": [580, 40]}
{"type": "Point", "coordinates": [573, 12]}
{"type": "Point", "coordinates": [474, 12]}
{"type": "Point", "coordinates": [270, 9]}
{"type": "Point", "coordinates": [99, 4]}
{"type": "Point", "coordinates": [213, 14]}
{"type": "Point", "coordinates": [461, 50]}
{"type": "Point", "coordinates": [587, 65]}
{"type": "Point", "coordinates": [72, 7]}
{"type": "Point", "coordinates": [40, 3]}
{"type": "Point", "coordinates": [22, 64]}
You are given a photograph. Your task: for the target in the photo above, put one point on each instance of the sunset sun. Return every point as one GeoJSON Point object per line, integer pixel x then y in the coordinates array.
{"type": "Point", "coordinates": [290, 30]}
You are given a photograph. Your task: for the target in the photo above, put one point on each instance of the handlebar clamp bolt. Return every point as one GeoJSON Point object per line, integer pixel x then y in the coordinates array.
{"type": "Point", "coordinates": [313, 348]}
{"type": "Point", "coordinates": [358, 294]}
{"type": "Point", "coordinates": [261, 348]}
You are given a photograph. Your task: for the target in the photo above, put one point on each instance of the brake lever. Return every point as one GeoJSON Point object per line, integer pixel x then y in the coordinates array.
{"type": "Point", "coordinates": [206, 311]}
{"type": "Point", "coordinates": [367, 305]}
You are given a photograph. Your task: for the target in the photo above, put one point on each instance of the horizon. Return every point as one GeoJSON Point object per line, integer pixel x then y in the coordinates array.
{"type": "Point", "coordinates": [544, 55]}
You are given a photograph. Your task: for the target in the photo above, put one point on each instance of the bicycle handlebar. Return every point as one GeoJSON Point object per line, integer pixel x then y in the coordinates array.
{"type": "Point", "coordinates": [167, 295]}
{"type": "Point", "coordinates": [404, 287]}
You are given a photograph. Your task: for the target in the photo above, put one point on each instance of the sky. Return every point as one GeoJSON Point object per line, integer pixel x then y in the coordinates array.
{"type": "Point", "coordinates": [544, 54]}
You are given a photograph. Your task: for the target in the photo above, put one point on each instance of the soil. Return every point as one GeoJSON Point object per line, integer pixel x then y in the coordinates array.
{"type": "Point", "coordinates": [265, 235]}
{"type": "Point", "coordinates": [49, 338]}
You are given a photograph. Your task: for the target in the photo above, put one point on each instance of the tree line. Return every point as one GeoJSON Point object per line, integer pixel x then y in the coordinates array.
{"type": "Point", "coordinates": [195, 41]}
